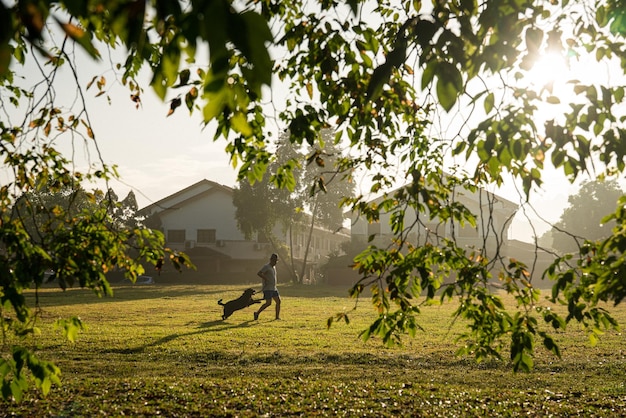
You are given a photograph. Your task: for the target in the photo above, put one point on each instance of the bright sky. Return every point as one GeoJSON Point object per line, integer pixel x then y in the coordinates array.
{"type": "Point", "coordinates": [158, 155]}
{"type": "Point", "coordinates": [548, 203]}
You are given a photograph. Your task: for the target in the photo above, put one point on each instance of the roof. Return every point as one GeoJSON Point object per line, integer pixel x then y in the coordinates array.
{"type": "Point", "coordinates": [178, 198]}
{"type": "Point", "coordinates": [498, 197]}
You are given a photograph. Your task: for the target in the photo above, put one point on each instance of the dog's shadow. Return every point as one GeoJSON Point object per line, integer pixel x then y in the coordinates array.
{"type": "Point", "coordinates": [211, 326]}
{"type": "Point", "coordinates": [223, 324]}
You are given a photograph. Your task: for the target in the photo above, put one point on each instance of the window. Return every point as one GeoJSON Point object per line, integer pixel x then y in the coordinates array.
{"type": "Point", "coordinates": [206, 235]}
{"type": "Point", "coordinates": [176, 235]}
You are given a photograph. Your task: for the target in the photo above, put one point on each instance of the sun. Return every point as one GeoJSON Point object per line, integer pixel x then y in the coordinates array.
{"type": "Point", "coordinates": [548, 70]}
{"type": "Point", "coordinates": [556, 79]}
{"type": "Point", "coordinates": [560, 72]}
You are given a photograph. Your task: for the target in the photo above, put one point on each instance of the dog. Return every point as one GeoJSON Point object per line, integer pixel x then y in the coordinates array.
{"type": "Point", "coordinates": [241, 302]}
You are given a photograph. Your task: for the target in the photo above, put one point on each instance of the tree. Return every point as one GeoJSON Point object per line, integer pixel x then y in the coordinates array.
{"type": "Point", "coordinates": [325, 185]}
{"type": "Point", "coordinates": [49, 221]}
{"type": "Point", "coordinates": [582, 220]}
{"type": "Point", "coordinates": [379, 74]}
{"type": "Point", "coordinates": [66, 231]}
{"type": "Point", "coordinates": [126, 210]}
{"type": "Point", "coordinates": [47, 211]}
{"type": "Point", "coordinates": [308, 200]}
{"type": "Point", "coordinates": [261, 207]}
{"type": "Point", "coordinates": [323, 189]}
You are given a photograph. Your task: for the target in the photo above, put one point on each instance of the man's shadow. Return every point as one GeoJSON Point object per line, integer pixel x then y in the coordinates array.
{"type": "Point", "coordinates": [212, 326]}
{"type": "Point", "coordinates": [223, 324]}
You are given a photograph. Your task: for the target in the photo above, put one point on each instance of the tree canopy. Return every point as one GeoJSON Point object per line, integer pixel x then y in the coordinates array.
{"type": "Point", "coordinates": [384, 76]}
{"type": "Point", "coordinates": [262, 207]}
{"type": "Point", "coordinates": [296, 207]}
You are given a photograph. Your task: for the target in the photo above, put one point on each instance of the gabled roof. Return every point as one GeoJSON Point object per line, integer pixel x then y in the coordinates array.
{"type": "Point", "coordinates": [176, 199]}
{"type": "Point", "coordinates": [499, 198]}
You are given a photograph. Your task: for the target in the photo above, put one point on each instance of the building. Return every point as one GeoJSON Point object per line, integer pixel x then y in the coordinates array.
{"type": "Point", "coordinates": [490, 237]}
{"type": "Point", "coordinates": [200, 220]}
{"type": "Point", "coordinates": [493, 214]}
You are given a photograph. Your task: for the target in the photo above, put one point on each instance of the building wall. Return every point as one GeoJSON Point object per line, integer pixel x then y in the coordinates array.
{"type": "Point", "coordinates": [215, 211]}
{"type": "Point", "coordinates": [323, 242]}
{"type": "Point", "coordinates": [492, 223]}
{"type": "Point", "coordinates": [229, 256]}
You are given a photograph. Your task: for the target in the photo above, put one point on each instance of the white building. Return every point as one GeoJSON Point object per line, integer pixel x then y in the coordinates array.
{"type": "Point", "coordinates": [200, 220]}
{"type": "Point", "coordinates": [490, 238]}
{"type": "Point", "coordinates": [493, 215]}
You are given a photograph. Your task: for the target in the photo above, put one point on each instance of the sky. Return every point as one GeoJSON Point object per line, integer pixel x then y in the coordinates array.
{"type": "Point", "coordinates": [155, 155]}
{"type": "Point", "coordinates": [158, 155]}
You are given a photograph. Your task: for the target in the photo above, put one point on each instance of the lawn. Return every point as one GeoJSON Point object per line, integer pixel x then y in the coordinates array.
{"type": "Point", "coordinates": [163, 350]}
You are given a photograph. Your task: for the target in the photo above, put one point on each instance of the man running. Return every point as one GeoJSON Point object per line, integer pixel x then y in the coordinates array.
{"type": "Point", "coordinates": [268, 275]}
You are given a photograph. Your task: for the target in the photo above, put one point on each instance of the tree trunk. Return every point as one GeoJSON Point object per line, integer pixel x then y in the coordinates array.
{"type": "Point", "coordinates": [283, 256]}
{"type": "Point", "coordinates": [308, 241]}
{"type": "Point", "coordinates": [296, 279]}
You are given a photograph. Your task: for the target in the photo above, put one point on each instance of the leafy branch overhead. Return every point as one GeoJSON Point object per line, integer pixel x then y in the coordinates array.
{"type": "Point", "coordinates": [405, 86]}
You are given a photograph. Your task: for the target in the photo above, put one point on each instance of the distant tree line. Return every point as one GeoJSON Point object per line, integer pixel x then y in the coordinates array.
{"type": "Point", "coordinates": [583, 219]}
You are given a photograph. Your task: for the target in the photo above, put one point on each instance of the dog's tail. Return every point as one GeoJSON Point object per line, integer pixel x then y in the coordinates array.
{"type": "Point", "coordinates": [219, 302]}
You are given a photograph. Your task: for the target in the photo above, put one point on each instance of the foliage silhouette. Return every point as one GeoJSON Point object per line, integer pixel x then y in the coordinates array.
{"type": "Point", "coordinates": [378, 74]}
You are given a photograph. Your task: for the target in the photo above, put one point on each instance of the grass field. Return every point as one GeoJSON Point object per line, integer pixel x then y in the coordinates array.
{"type": "Point", "coordinates": [163, 350]}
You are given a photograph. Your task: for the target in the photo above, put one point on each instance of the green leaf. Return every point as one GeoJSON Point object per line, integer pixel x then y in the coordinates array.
{"type": "Point", "coordinates": [449, 85]}
{"type": "Point", "coordinates": [534, 38]}
{"type": "Point", "coordinates": [251, 34]}
{"type": "Point", "coordinates": [505, 157]}
{"type": "Point", "coordinates": [551, 345]}
{"type": "Point", "coordinates": [489, 102]}
{"type": "Point", "coordinates": [601, 16]}
{"type": "Point", "coordinates": [429, 74]}
{"type": "Point", "coordinates": [366, 60]}
{"type": "Point", "coordinates": [618, 24]}
{"type": "Point", "coordinates": [170, 62]}
{"type": "Point", "coordinates": [447, 94]}
{"type": "Point", "coordinates": [6, 34]}
{"type": "Point", "coordinates": [380, 76]}
{"type": "Point", "coordinates": [159, 84]}
{"type": "Point", "coordinates": [240, 124]}
{"type": "Point", "coordinates": [183, 77]}
{"type": "Point", "coordinates": [214, 106]}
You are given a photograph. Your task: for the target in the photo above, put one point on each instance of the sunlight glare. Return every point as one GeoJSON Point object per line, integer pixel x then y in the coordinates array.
{"type": "Point", "coordinates": [551, 69]}
{"type": "Point", "coordinates": [554, 78]}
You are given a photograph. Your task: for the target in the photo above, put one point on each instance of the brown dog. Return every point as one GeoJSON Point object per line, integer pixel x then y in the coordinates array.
{"type": "Point", "coordinates": [241, 302]}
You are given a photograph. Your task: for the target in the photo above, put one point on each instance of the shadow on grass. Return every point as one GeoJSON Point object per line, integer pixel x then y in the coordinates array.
{"type": "Point", "coordinates": [77, 296]}
{"type": "Point", "coordinates": [219, 325]}
{"type": "Point", "coordinates": [313, 291]}
{"type": "Point", "coordinates": [212, 326]}
{"type": "Point", "coordinates": [53, 296]}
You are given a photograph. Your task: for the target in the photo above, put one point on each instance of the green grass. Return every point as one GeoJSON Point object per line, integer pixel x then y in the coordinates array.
{"type": "Point", "coordinates": [164, 350]}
